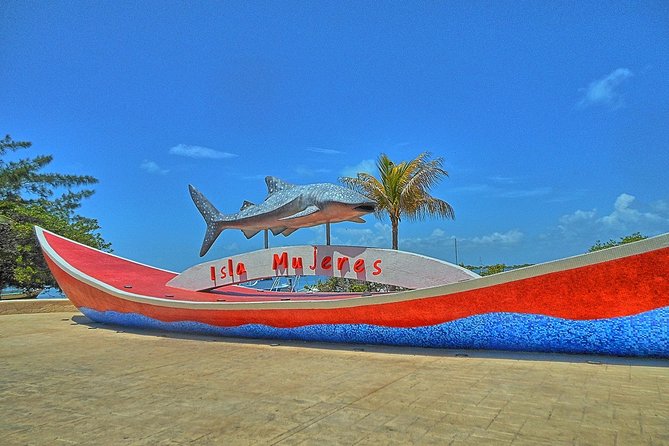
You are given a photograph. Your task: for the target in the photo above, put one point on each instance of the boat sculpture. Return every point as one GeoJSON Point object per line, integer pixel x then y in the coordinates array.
{"type": "Point", "coordinates": [614, 301]}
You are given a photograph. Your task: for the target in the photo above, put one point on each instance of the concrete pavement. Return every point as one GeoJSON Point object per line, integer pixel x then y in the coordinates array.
{"type": "Point", "coordinates": [66, 380]}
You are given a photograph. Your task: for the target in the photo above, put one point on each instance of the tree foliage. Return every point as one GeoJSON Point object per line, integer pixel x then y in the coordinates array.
{"type": "Point", "coordinates": [487, 270]}
{"type": "Point", "coordinates": [598, 246]}
{"type": "Point", "coordinates": [344, 285]}
{"type": "Point", "coordinates": [403, 189]}
{"type": "Point", "coordinates": [493, 269]}
{"type": "Point", "coordinates": [28, 198]}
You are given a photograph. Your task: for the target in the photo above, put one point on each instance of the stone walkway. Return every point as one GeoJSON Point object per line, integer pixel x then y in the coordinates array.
{"type": "Point", "coordinates": [65, 380]}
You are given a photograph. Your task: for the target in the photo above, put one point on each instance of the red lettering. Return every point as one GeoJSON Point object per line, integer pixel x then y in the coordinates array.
{"type": "Point", "coordinates": [313, 266]}
{"type": "Point", "coordinates": [241, 269]}
{"type": "Point", "coordinates": [326, 263]}
{"type": "Point", "coordinates": [231, 269]}
{"type": "Point", "coordinates": [377, 268]}
{"type": "Point", "coordinates": [359, 266]}
{"type": "Point", "coordinates": [341, 261]}
{"type": "Point", "coordinates": [223, 273]}
{"type": "Point", "coordinates": [280, 261]}
{"type": "Point", "coordinates": [297, 263]}
{"type": "Point", "coordinates": [212, 273]}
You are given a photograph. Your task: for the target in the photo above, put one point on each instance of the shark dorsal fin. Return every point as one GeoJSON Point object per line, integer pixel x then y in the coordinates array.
{"type": "Point", "coordinates": [245, 205]}
{"type": "Point", "coordinates": [274, 184]}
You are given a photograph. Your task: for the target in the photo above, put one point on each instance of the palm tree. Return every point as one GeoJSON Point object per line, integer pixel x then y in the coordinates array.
{"type": "Point", "coordinates": [403, 189]}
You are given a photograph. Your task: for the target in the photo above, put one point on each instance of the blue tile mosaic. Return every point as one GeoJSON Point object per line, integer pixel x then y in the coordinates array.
{"type": "Point", "coordinates": [644, 334]}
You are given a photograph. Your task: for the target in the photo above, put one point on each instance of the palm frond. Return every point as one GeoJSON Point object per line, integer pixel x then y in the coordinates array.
{"type": "Point", "coordinates": [427, 174]}
{"type": "Point", "coordinates": [402, 189]}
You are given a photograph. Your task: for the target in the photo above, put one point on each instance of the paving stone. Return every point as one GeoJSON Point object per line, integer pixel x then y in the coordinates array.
{"type": "Point", "coordinates": [65, 380]}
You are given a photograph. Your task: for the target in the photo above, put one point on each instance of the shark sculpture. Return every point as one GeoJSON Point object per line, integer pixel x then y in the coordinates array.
{"type": "Point", "coordinates": [287, 208]}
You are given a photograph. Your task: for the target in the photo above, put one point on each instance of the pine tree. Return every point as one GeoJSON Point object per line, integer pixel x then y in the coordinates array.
{"type": "Point", "coordinates": [28, 198]}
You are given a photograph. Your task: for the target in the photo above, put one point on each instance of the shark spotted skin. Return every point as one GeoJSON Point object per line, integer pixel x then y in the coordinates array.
{"type": "Point", "coordinates": [287, 208]}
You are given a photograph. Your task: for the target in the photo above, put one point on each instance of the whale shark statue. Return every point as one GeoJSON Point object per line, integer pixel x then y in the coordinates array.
{"type": "Point", "coordinates": [287, 208]}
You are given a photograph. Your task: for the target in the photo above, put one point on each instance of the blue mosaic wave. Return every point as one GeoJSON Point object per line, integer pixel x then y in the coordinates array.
{"type": "Point", "coordinates": [644, 334]}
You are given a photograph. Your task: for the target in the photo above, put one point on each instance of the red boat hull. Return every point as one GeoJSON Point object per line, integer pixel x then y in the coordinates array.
{"type": "Point", "coordinates": [623, 285]}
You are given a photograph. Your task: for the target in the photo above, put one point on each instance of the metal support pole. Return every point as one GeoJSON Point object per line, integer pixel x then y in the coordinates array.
{"type": "Point", "coordinates": [456, 250]}
{"type": "Point", "coordinates": [327, 233]}
{"type": "Point", "coordinates": [266, 238]}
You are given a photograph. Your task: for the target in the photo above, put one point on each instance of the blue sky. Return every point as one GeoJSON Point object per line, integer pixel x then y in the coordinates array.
{"type": "Point", "coordinates": [552, 117]}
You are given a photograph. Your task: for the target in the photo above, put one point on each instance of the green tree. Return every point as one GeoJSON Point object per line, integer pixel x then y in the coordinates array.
{"type": "Point", "coordinates": [341, 284]}
{"type": "Point", "coordinates": [403, 189]}
{"type": "Point", "coordinates": [8, 248]}
{"type": "Point", "coordinates": [493, 269]}
{"type": "Point", "coordinates": [27, 198]}
{"type": "Point", "coordinates": [598, 246]}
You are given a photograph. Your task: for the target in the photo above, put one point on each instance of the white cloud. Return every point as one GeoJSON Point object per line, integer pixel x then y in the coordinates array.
{"type": "Point", "coordinates": [152, 167]}
{"type": "Point", "coordinates": [572, 234]}
{"type": "Point", "coordinates": [524, 193]}
{"type": "Point", "coordinates": [507, 238]}
{"type": "Point", "coordinates": [367, 166]}
{"type": "Point", "coordinates": [305, 171]}
{"type": "Point", "coordinates": [439, 239]}
{"type": "Point", "coordinates": [502, 179]}
{"type": "Point", "coordinates": [472, 188]}
{"type": "Point", "coordinates": [578, 216]}
{"type": "Point", "coordinates": [438, 233]}
{"type": "Point", "coordinates": [199, 152]}
{"type": "Point", "coordinates": [438, 243]}
{"type": "Point", "coordinates": [624, 215]}
{"type": "Point", "coordinates": [499, 190]}
{"type": "Point", "coordinates": [660, 206]}
{"type": "Point", "coordinates": [380, 236]}
{"type": "Point", "coordinates": [624, 219]}
{"type": "Point", "coordinates": [604, 91]}
{"type": "Point", "coordinates": [324, 151]}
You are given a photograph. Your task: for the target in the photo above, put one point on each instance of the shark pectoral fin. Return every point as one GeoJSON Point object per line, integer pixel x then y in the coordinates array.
{"type": "Point", "coordinates": [278, 230]}
{"type": "Point", "coordinates": [289, 231]}
{"type": "Point", "coordinates": [303, 213]}
{"type": "Point", "coordinates": [248, 233]}
{"type": "Point", "coordinates": [356, 220]}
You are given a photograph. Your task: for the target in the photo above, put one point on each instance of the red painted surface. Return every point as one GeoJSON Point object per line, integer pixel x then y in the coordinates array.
{"type": "Point", "coordinates": [615, 288]}
{"type": "Point", "coordinates": [149, 281]}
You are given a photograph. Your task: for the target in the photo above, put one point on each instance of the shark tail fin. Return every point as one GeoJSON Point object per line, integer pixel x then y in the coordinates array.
{"type": "Point", "coordinates": [211, 216]}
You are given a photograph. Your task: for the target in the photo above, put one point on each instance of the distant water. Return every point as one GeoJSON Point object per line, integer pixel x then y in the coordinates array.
{"type": "Point", "coordinates": [51, 293]}
{"type": "Point", "coordinates": [48, 293]}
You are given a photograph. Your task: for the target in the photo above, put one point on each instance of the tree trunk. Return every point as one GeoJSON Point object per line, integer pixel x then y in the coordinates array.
{"type": "Point", "coordinates": [395, 223]}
